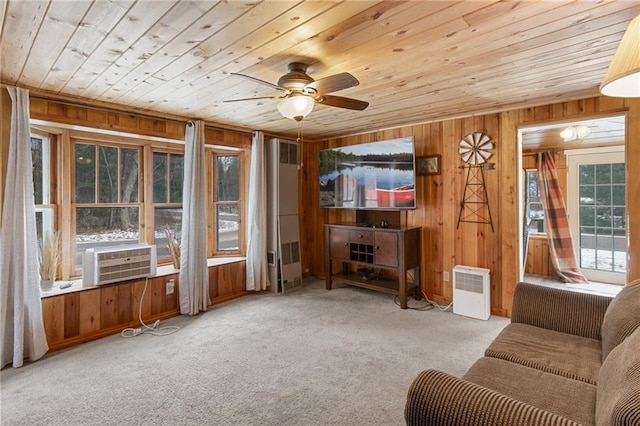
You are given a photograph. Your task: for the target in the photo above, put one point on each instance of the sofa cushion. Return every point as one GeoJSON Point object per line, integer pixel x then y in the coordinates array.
{"type": "Point", "coordinates": [618, 396]}
{"type": "Point", "coordinates": [568, 398]}
{"type": "Point", "coordinates": [622, 317]}
{"type": "Point", "coordinates": [564, 354]}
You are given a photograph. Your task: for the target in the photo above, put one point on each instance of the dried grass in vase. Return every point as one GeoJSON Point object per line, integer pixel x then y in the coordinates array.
{"type": "Point", "coordinates": [174, 248]}
{"type": "Point", "coordinates": [49, 258]}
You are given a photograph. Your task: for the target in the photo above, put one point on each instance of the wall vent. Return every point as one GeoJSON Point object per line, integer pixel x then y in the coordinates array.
{"type": "Point", "coordinates": [471, 292]}
{"type": "Point", "coordinates": [104, 265]}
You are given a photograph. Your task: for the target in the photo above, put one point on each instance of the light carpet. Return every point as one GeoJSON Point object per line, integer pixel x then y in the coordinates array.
{"type": "Point", "coordinates": [309, 357]}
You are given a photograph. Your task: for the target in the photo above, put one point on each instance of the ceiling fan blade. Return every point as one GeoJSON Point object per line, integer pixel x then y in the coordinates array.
{"type": "Point", "coordinates": [252, 99]}
{"type": "Point", "coordinates": [333, 83]}
{"type": "Point", "coordinates": [340, 102]}
{"type": "Point", "coordinates": [257, 80]}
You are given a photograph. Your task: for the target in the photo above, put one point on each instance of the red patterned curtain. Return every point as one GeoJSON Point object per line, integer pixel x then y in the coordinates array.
{"type": "Point", "coordinates": [561, 250]}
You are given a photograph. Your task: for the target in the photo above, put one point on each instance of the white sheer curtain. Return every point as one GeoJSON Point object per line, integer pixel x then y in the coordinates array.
{"type": "Point", "coordinates": [257, 273]}
{"type": "Point", "coordinates": [194, 275]}
{"type": "Point", "coordinates": [21, 322]}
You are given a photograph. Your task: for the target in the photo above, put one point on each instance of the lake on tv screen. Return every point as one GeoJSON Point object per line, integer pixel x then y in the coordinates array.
{"type": "Point", "coordinates": [370, 186]}
{"type": "Point", "coordinates": [380, 177]}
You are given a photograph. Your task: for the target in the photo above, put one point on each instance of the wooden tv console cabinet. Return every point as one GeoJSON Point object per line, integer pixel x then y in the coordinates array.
{"type": "Point", "coordinates": [394, 249]}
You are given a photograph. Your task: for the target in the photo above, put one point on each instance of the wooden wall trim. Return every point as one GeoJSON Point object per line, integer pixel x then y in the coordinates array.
{"type": "Point", "coordinates": [633, 187]}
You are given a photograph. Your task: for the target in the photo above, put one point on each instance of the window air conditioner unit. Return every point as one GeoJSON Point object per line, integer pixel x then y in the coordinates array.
{"type": "Point", "coordinates": [471, 292]}
{"type": "Point", "coordinates": [104, 265]}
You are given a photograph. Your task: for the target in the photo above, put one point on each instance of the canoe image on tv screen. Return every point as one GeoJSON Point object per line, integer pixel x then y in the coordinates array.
{"type": "Point", "coordinates": [374, 175]}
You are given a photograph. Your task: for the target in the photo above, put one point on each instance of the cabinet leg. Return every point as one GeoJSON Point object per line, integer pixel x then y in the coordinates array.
{"type": "Point", "coordinates": [418, 289]}
{"type": "Point", "coordinates": [403, 291]}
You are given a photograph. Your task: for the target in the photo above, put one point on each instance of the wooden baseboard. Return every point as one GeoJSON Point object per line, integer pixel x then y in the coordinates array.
{"type": "Point", "coordinates": [66, 343]}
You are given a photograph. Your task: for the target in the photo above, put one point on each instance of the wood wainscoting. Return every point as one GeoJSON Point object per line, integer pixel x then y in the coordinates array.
{"type": "Point", "coordinates": [92, 313]}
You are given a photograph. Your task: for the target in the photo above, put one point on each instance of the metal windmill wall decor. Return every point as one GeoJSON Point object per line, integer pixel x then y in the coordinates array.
{"type": "Point", "coordinates": [475, 149]}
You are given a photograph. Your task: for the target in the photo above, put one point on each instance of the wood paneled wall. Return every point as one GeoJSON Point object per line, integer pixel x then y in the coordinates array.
{"type": "Point", "coordinates": [444, 243]}
{"type": "Point", "coordinates": [73, 318]}
{"type": "Point", "coordinates": [172, 128]}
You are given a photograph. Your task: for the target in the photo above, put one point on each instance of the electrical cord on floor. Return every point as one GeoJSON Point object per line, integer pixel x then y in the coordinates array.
{"type": "Point", "coordinates": [426, 307]}
{"type": "Point", "coordinates": [436, 305]}
{"type": "Point", "coordinates": [429, 302]}
{"type": "Point", "coordinates": [154, 329]}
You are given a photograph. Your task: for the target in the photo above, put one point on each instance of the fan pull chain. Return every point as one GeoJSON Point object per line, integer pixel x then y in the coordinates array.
{"type": "Point", "coordinates": [301, 143]}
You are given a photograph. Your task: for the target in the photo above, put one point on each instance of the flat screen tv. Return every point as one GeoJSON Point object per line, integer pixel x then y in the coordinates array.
{"type": "Point", "coordinates": [374, 175]}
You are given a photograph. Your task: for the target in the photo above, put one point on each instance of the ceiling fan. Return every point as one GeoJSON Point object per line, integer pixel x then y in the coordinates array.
{"type": "Point", "coordinates": [301, 91]}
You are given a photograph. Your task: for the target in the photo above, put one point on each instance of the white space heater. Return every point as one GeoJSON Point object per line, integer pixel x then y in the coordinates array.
{"type": "Point", "coordinates": [104, 265]}
{"type": "Point", "coordinates": [471, 292]}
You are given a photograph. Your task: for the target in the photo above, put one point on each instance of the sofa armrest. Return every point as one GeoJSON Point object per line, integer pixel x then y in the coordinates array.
{"type": "Point", "coordinates": [571, 312]}
{"type": "Point", "coordinates": [437, 398]}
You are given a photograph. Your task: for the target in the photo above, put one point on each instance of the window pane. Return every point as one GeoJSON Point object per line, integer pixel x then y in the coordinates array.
{"type": "Point", "coordinates": [85, 173]}
{"type": "Point", "coordinates": [617, 173]}
{"type": "Point", "coordinates": [129, 175]}
{"type": "Point", "coordinates": [105, 226]}
{"type": "Point", "coordinates": [587, 194]}
{"type": "Point", "coordinates": [166, 218]}
{"type": "Point", "coordinates": [228, 178]}
{"type": "Point", "coordinates": [603, 195]}
{"type": "Point", "coordinates": [603, 217]}
{"type": "Point", "coordinates": [44, 221]}
{"type": "Point", "coordinates": [38, 171]}
{"type": "Point", "coordinates": [587, 216]}
{"type": "Point", "coordinates": [587, 174]}
{"type": "Point", "coordinates": [619, 218]}
{"type": "Point", "coordinates": [160, 188]}
{"type": "Point", "coordinates": [176, 178]}
{"type": "Point", "coordinates": [603, 174]}
{"type": "Point", "coordinates": [228, 227]}
{"type": "Point", "coordinates": [618, 195]}
{"type": "Point", "coordinates": [108, 175]}
{"type": "Point", "coordinates": [535, 210]}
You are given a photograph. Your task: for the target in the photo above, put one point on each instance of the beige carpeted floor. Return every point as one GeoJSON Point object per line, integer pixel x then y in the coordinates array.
{"type": "Point", "coordinates": [311, 357]}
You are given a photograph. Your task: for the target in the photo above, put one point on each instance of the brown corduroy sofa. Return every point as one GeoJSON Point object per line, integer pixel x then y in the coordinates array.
{"type": "Point", "coordinates": [566, 358]}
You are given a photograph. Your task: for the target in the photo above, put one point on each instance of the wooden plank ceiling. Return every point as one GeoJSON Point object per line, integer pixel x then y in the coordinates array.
{"type": "Point", "coordinates": [416, 61]}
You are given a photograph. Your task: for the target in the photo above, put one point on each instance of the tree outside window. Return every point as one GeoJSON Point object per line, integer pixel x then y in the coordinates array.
{"type": "Point", "coordinates": [168, 174]}
{"type": "Point", "coordinates": [227, 203]}
{"type": "Point", "coordinates": [106, 207]}
{"type": "Point", "coordinates": [41, 160]}
{"type": "Point", "coordinates": [534, 209]}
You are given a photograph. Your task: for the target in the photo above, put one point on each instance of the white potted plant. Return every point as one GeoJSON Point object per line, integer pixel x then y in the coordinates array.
{"type": "Point", "coordinates": [49, 259]}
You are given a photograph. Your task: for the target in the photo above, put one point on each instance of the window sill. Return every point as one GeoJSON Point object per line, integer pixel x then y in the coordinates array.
{"type": "Point", "coordinates": [164, 270]}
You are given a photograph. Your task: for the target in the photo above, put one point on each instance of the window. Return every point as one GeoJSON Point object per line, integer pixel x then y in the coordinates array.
{"type": "Point", "coordinates": [168, 172]}
{"type": "Point", "coordinates": [533, 206]}
{"type": "Point", "coordinates": [106, 207]}
{"type": "Point", "coordinates": [103, 190]}
{"type": "Point", "coordinates": [227, 203]}
{"type": "Point", "coordinates": [41, 156]}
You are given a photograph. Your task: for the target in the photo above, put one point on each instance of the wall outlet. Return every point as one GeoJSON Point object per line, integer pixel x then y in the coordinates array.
{"type": "Point", "coordinates": [170, 286]}
{"type": "Point", "coordinates": [445, 276]}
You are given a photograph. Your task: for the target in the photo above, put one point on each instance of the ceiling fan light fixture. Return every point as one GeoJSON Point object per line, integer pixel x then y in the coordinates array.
{"type": "Point", "coordinates": [296, 106]}
{"type": "Point", "coordinates": [623, 76]}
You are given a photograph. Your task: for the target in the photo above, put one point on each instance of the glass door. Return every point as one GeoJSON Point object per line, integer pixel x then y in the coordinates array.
{"type": "Point", "coordinates": [597, 212]}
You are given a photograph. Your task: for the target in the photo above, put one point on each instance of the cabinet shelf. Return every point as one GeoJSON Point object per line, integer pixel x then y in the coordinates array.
{"type": "Point", "coordinates": [384, 285]}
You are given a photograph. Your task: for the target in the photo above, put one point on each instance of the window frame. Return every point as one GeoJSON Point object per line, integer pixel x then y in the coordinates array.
{"type": "Point", "coordinates": [528, 202]}
{"type": "Point", "coordinates": [74, 205]}
{"type": "Point", "coordinates": [576, 158]}
{"type": "Point", "coordinates": [48, 207]}
{"type": "Point", "coordinates": [150, 219]}
{"type": "Point", "coordinates": [63, 183]}
{"type": "Point", "coordinates": [212, 245]}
